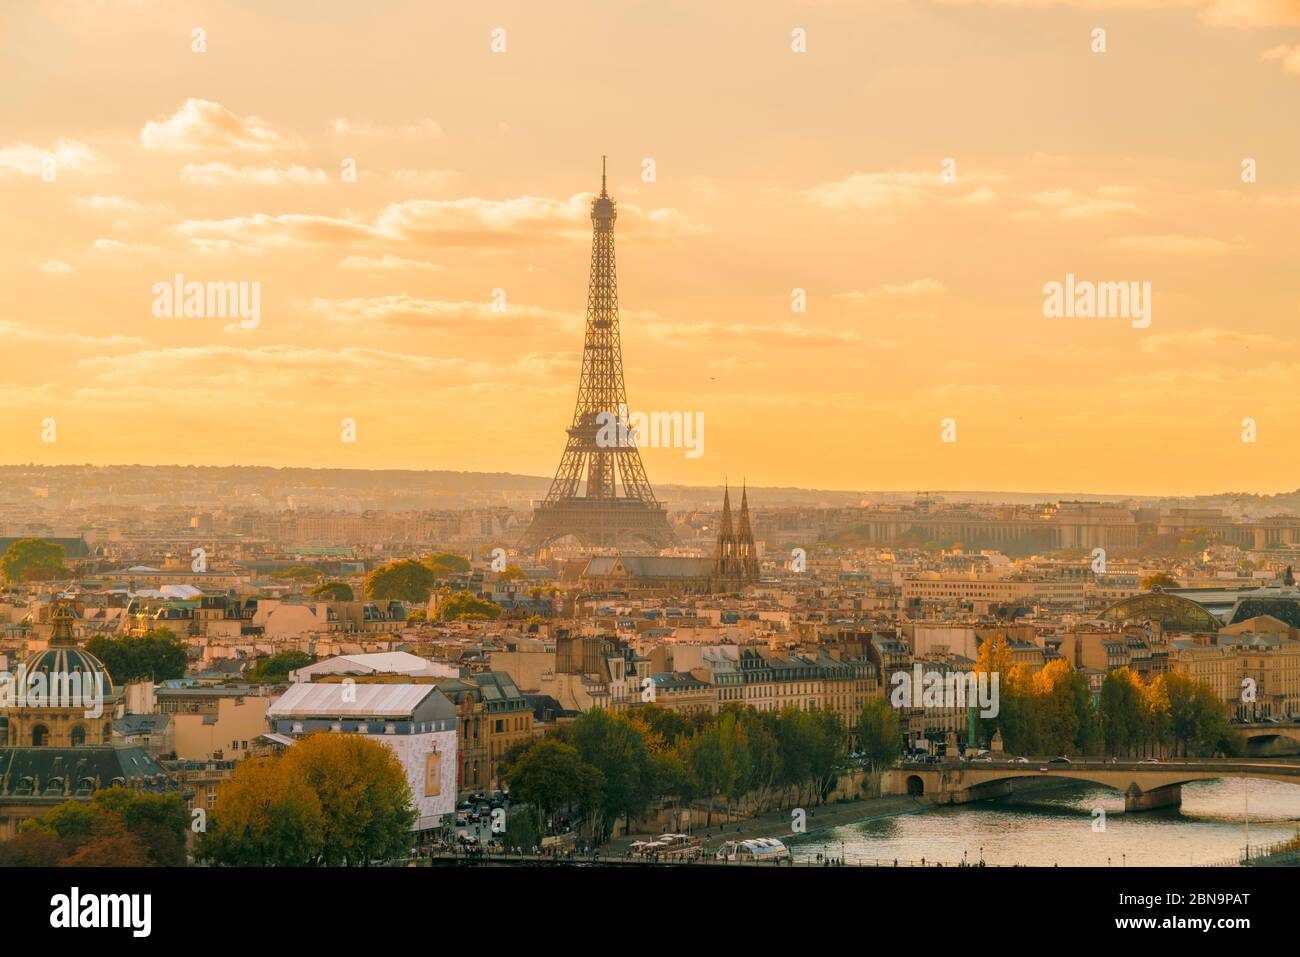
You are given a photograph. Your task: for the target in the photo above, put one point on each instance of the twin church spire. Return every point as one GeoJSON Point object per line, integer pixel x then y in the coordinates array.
{"type": "Point", "coordinates": [735, 557]}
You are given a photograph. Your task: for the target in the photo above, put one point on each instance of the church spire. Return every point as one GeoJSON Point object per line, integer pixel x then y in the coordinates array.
{"type": "Point", "coordinates": [746, 551]}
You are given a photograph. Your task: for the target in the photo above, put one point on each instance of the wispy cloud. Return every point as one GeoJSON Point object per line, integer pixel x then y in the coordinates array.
{"type": "Point", "coordinates": [1174, 244]}
{"type": "Point", "coordinates": [223, 174]}
{"type": "Point", "coordinates": [204, 125]}
{"type": "Point", "coordinates": [425, 127]}
{"type": "Point", "coordinates": [68, 156]}
{"type": "Point", "coordinates": [917, 287]}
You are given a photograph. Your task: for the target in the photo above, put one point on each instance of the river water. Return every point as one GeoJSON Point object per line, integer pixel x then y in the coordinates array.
{"type": "Point", "coordinates": [1059, 826]}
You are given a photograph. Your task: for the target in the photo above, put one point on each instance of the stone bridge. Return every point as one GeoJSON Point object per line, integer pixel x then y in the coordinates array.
{"type": "Point", "coordinates": [1266, 738]}
{"type": "Point", "coordinates": [1145, 785]}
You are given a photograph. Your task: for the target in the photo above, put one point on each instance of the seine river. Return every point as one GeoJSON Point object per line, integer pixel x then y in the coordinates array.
{"type": "Point", "coordinates": [1057, 827]}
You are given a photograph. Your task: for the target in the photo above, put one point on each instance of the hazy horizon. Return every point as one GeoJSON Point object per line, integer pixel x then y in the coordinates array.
{"type": "Point", "coordinates": [801, 270]}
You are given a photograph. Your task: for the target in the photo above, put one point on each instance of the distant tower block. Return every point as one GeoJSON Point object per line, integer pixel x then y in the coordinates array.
{"type": "Point", "coordinates": [600, 494]}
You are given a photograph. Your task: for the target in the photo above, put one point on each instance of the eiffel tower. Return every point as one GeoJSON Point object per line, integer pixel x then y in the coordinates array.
{"type": "Point", "coordinates": [596, 514]}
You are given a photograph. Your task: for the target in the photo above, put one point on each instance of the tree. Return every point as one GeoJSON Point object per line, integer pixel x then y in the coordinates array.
{"type": "Point", "coordinates": [266, 816]}
{"type": "Point", "coordinates": [118, 827]}
{"type": "Point", "coordinates": [33, 559]}
{"type": "Point", "coordinates": [333, 591]}
{"type": "Point", "coordinates": [512, 573]}
{"type": "Point", "coordinates": [406, 580]}
{"type": "Point", "coordinates": [110, 850]}
{"type": "Point", "coordinates": [1121, 708]}
{"type": "Point", "coordinates": [614, 746]}
{"type": "Point", "coordinates": [880, 735]}
{"type": "Point", "coordinates": [1161, 580]}
{"type": "Point", "coordinates": [523, 829]}
{"type": "Point", "coordinates": [301, 573]}
{"type": "Point", "coordinates": [1058, 720]}
{"type": "Point", "coordinates": [464, 605]}
{"type": "Point", "coordinates": [364, 796]}
{"type": "Point", "coordinates": [330, 799]}
{"type": "Point", "coordinates": [33, 848]}
{"type": "Point", "coordinates": [277, 666]}
{"type": "Point", "coordinates": [444, 564]}
{"type": "Point", "coordinates": [551, 776]}
{"type": "Point", "coordinates": [157, 655]}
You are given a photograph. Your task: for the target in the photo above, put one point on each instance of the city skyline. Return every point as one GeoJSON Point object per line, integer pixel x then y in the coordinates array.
{"type": "Point", "coordinates": [776, 171]}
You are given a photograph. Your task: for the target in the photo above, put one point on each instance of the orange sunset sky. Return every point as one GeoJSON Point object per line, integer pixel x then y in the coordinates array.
{"type": "Point", "coordinates": [775, 170]}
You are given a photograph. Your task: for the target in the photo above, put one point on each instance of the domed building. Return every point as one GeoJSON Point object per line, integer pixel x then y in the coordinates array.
{"type": "Point", "coordinates": [56, 730]}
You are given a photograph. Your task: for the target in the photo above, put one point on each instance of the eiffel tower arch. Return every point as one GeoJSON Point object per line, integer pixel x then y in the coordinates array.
{"type": "Point", "coordinates": [600, 494]}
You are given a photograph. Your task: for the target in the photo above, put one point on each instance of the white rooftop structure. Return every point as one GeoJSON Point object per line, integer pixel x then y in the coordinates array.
{"type": "Point", "coordinates": [327, 700]}
{"type": "Point", "coordinates": [384, 662]}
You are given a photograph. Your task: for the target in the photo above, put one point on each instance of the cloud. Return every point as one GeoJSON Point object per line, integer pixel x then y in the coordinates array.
{"type": "Point", "coordinates": [917, 287]}
{"type": "Point", "coordinates": [1252, 13]}
{"type": "Point", "coordinates": [223, 174]}
{"type": "Point", "coordinates": [471, 222]}
{"type": "Point", "coordinates": [1223, 13]}
{"type": "Point", "coordinates": [17, 331]}
{"type": "Point", "coordinates": [69, 156]}
{"type": "Point", "coordinates": [1289, 56]}
{"type": "Point", "coordinates": [1174, 244]}
{"type": "Point", "coordinates": [116, 246]}
{"type": "Point", "coordinates": [386, 261]}
{"type": "Point", "coordinates": [115, 204]}
{"type": "Point", "coordinates": [291, 230]}
{"type": "Point", "coordinates": [204, 125]}
{"type": "Point", "coordinates": [424, 177]}
{"type": "Point", "coordinates": [425, 127]}
{"type": "Point", "coordinates": [777, 334]}
{"type": "Point", "coordinates": [1211, 340]}
{"type": "Point", "coordinates": [407, 312]}
{"type": "Point", "coordinates": [1106, 201]}
{"type": "Point", "coordinates": [894, 189]}
{"type": "Point", "coordinates": [221, 247]}
{"type": "Point", "coordinates": [54, 266]}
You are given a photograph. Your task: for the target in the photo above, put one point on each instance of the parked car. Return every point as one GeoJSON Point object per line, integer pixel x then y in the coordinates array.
{"type": "Point", "coordinates": [1060, 759]}
{"type": "Point", "coordinates": [1149, 761]}
{"type": "Point", "coordinates": [1019, 760]}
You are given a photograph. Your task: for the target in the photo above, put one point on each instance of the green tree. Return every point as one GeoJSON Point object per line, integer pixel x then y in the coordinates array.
{"type": "Point", "coordinates": [277, 667]}
{"type": "Point", "coordinates": [523, 829]}
{"type": "Point", "coordinates": [301, 573]}
{"type": "Point", "coordinates": [880, 735]}
{"type": "Point", "coordinates": [33, 559]}
{"type": "Point", "coordinates": [512, 573]}
{"type": "Point", "coordinates": [464, 605]}
{"type": "Point", "coordinates": [1161, 580]}
{"type": "Point", "coordinates": [445, 564]}
{"type": "Point", "coordinates": [406, 580]}
{"type": "Point", "coordinates": [614, 746]}
{"type": "Point", "coordinates": [118, 827]}
{"type": "Point", "coordinates": [551, 776]}
{"type": "Point", "coordinates": [157, 655]}
{"type": "Point", "coordinates": [333, 591]}
{"type": "Point", "coordinates": [1122, 712]}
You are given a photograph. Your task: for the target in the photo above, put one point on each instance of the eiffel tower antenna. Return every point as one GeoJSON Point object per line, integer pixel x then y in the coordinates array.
{"type": "Point", "coordinates": [615, 504]}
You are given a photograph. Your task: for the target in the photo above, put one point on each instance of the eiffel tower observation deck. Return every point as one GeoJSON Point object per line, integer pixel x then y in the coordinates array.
{"type": "Point", "coordinates": [600, 494]}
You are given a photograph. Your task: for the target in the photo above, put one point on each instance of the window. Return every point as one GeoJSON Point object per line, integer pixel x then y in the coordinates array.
{"type": "Point", "coordinates": [40, 736]}
{"type": "Point", "coordinates": [79, 736]}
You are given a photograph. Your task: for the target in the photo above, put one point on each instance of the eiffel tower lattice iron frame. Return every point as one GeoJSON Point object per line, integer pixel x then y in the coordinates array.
{"type": "Point", "coordinates": [595, 513]}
